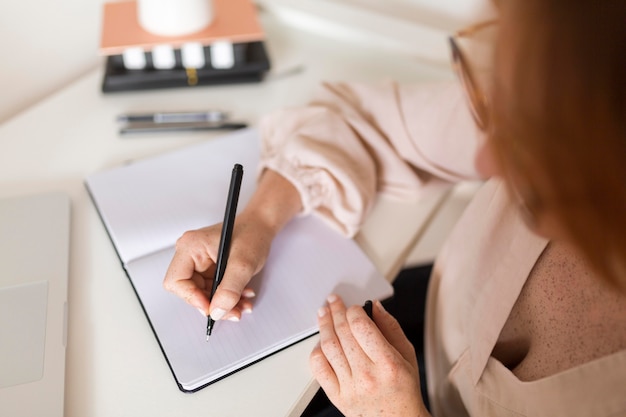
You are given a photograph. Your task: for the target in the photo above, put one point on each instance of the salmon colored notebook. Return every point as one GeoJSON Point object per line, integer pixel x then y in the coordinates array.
{"type": "Point", "coordinates": [235, 21]}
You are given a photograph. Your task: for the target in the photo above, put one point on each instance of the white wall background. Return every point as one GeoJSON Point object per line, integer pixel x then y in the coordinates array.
{"type": "Point", "coordinates": [459, 10]}
{"type": "Point", "coordinates": [47, 44]}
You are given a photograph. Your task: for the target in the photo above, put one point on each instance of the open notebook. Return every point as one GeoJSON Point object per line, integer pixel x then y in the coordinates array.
{"type": "Point", "coordinates": [147, 205]}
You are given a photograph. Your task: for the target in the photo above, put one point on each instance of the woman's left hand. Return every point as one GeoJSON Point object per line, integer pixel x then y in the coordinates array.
{"type": "Point", "coordinates": [366, 368]}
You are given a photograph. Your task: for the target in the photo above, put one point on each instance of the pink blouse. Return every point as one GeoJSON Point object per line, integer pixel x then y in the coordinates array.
{"type": "Point", "coordinates": [355, 141]}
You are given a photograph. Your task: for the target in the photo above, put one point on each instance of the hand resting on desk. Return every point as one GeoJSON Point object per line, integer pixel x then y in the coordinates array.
{"type": "Point", "coordinates": [192, 269]}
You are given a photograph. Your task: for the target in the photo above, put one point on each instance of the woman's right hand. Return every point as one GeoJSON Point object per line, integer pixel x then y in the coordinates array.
{"type": "Point", "coordinates": [192, 269]}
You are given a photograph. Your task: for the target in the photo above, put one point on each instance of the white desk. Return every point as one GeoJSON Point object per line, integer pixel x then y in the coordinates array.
{"type": "Point", "coordinates": [114, 365]}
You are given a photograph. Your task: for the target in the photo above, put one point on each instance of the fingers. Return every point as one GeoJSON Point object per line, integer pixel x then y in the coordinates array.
{"type": "Point", "coordinates": [338, 345]}
{"type": "Point", "coordinates": [393, 333]}
{"type": "Point", "coordinates": [192, 269]}
{"type": "Point", "coordinates": [363, 340]}
{"type": "Point", "coordinates": [330, 345]}
{"type": "Point", "coordinates": [361, 372]}
{"type": "Point", "coordinates": [230, 291]}
{"type": "Point", "coordinates": [185, 273]}
{"type": "Point", "coordinates": [323, 372]}
{"type": "Point", "coordinates": [243, 306]}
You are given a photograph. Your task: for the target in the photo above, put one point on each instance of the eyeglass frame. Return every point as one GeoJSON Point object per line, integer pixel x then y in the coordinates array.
{"type": "Point", "coordinates": [479, 104]}
{"type": "Point", "coordinates": [529, 204]}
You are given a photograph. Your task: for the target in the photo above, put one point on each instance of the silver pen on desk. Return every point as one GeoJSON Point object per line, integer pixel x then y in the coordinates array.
{"type": "Point", "coordinates": [174, 117]}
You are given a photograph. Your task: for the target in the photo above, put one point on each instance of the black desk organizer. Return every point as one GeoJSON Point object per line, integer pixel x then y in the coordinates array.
{"type": "Point", "coordinates": [251, 64]}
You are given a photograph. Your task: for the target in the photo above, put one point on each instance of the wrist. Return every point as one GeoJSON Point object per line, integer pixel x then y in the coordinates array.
{"type": "Point", "coordinates": [275, 202]}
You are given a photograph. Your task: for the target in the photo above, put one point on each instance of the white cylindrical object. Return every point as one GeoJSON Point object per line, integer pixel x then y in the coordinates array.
{"type": "Point", "coordinates": [174, 17]}
{"type": "Point", "coordinates": [192, 55]}
{"type": "Point", "coordinates": [222, 55]}
{"type": "Point", "coordinates": [163, 57]}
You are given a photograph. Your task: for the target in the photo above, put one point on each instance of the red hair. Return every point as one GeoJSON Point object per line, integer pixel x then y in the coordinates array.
{"type": "Point", "coordinates": [559, 123]}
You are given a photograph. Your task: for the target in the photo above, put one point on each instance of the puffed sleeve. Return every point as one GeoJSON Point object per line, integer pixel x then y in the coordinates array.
{"type": "Point", "coordinates": [353, 141]}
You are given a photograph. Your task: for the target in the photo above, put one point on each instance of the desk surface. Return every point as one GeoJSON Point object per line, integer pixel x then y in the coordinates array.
{"type": "Point", "coordinates": [114, 365]}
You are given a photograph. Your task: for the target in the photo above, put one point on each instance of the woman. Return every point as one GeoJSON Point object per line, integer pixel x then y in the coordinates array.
{"type": "Point", "coordinates": [526, 309]}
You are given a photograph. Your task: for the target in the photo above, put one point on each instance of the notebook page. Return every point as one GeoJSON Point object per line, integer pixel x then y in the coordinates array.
{"type": "Point", "coordinates": [307, 262]}
{"type": "Point", "coordinates": [147, 205]}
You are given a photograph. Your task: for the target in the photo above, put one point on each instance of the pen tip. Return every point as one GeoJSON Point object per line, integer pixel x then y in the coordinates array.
{"type": "Point", "coordinates": [209, 330]}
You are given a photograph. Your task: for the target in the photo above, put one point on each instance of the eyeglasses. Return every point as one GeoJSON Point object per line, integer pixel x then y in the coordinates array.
{"type": "Point", "coordinates": [475, 86]}
{"type": "Point", "coordinates": [477, 82]}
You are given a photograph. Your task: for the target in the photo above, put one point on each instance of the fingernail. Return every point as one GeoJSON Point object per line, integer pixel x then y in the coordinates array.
{"type": "Point", "coordinates": [233, 318]}
{"type": "Point", "coordinates": [248, 293]}
{"type": "Point", "coordinates": [247, 310]}
{"type": "Point", "coordinates": [331, 298]}
{"type": "Point", "coordinates": [202, 312]}
{"type": "Point", "coordinates": [322, 312]}
{"type": "Point", "coordinates": [217, 313]}
{"type": "Point", "coordinates": [379, 306]}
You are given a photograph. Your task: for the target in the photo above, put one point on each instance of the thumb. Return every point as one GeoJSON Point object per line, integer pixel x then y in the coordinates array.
{"type": "Point", "coordinates": [227, 294]}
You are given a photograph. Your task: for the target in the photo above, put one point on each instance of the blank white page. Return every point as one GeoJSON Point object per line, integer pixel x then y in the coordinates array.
{"type": "Point", "coordinates": [148, 204]}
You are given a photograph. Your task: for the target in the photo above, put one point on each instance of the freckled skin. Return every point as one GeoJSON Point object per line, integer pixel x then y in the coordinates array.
{"type": "Point", "coordinates": [367, 368]}
{"type": "Point", "coordinates": [191, 270]}
{"type": "Point", "coordinates": [564, 317]}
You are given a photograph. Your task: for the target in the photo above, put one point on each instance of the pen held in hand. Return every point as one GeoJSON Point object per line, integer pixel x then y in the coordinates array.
{"type": "Point", "coordinates": [226, 236]}
{"type": "Point", "coordinates": [368, 308]}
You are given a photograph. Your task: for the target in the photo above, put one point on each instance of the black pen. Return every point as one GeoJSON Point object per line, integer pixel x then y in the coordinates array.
{"type": "Point", "coordinates": [368, 308]}
{"type": "Point", "coordinates": [151, 127]}
{"type": "Point", "coordinates": [227, 233]}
